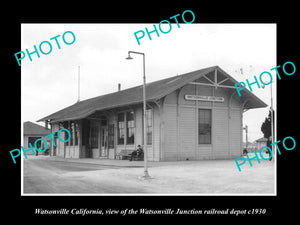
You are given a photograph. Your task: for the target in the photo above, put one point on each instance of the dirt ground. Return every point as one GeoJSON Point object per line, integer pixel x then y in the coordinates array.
{"type": "Point", "coordinates": [51, 175]}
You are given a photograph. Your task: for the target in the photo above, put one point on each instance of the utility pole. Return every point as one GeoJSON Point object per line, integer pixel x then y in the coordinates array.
{"type": "Point", "coordinates": [78, 100]}
{"type": "Point", "coordinates": [246, 129]}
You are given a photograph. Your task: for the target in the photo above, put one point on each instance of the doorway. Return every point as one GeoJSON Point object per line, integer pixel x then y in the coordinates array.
{"type": "Point", "coordinates": [103, 141]}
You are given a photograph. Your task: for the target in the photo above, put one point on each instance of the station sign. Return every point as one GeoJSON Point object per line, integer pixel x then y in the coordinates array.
{"type": "Point", "coordinates": [204, 98]}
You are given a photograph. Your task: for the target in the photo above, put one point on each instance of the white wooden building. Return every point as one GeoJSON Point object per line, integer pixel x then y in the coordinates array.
{"type": "Point", "coordinates": [193, 116]}
{"type": "Point", "coordinates": [32, 132]}
{"type": "Point", "coordinates": [261, 142]}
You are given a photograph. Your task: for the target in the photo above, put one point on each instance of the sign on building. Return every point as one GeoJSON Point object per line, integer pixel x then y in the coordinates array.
{"type": "Point", "coordinates": [204, 98]}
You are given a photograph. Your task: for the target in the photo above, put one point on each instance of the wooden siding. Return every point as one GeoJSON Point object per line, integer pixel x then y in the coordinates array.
{"type": "Point", "coordinates": [156, 134]}
{"type": "Point", "coordinates": [179, 125]}
{"type": "Point", "coordinates": [220, 133]}
{"type": "Point", "coordinates": [170, 133]}
{"type": "Point", "coordinates": [203, 152]}
{"type": "Point", "coordinates": [187, 133]}
{"type": "Point", "coordinates": [60, 149]}
{"type": "Point", "coordinates": [235, 130]}
{"type": "Point", "coordinates": [95, 153]}
{"type": "Point", "coordinates": [72, 152]}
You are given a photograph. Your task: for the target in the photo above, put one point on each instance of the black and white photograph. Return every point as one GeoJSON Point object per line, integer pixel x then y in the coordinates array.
{"type": "Point", "coordinates": [139, 113]}
{"type": "Point", "coordinates": [154, 115]}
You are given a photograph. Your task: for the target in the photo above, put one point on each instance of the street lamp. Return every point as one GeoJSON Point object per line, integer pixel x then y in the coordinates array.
{"type": "Point", "coordinates": [146, 174]}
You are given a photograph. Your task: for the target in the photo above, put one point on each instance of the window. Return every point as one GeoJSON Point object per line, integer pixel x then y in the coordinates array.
{"type": "Point", "coordinates": [72, 132]}
{"type": "Point", "coordinates": [121, 128]}
{"type": "Point", "coordinates": [31, 140]}
{"type": "Point", "coordinates": [76, 132]}
{"type": "Point", "coordinates": [149, 126]}
{"type": "Point", "coordinates": [103, 140]}
{"type": "Point", "coordinates": [111, 136]}
{"type": "Point", "coordinates": [130, 127]}
{"type": "Point", "coordinates": [94, 136]}
{"type": "Point", "coordinates": [204, 126]}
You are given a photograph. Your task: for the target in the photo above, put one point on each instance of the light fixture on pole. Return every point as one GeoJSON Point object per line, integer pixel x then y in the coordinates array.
{"type": "Point", "coordinates": [146, 174]}
{"type": "Point", "coordinates": [129, 57]}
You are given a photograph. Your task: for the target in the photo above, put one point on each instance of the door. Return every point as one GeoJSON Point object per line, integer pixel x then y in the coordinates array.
{"type": "Point", "coordinates": [94, 139]}
{"type": "Point", "coordinates": [55, 147]}
{"type": "Point", "coordinates": [104, 142]}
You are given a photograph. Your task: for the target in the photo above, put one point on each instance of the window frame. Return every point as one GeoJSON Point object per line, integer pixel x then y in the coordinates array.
{"type": "Point", "coordinates": [76, 133]}
{"type": "Point", "coordinates": [130, 127]}
{"type": "Point", "coordinates": [121, 129]}
{"type": "Point", "coordinates": [111, 135]}
{"type": "Point", "coordinates": [207, 137]}
{"type": "Point", "coordinates": [95, 136]}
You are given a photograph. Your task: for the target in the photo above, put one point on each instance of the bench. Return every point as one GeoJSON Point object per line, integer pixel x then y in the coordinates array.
{"type": "Point", "coordinates": [139, 157]}
{"type": "Point", "coordinates": [124, 154]}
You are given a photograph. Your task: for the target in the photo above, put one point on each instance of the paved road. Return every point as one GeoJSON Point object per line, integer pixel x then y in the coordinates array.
{"type": "Point", "coordinates": [49, 176]}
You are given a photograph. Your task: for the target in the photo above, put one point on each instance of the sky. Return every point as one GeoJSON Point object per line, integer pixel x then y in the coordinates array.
{"type": "Point", "coordinates": [50, 83]}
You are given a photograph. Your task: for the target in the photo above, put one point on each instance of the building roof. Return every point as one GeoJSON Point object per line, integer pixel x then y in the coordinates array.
{"type": "Point", "coordinates": [263, 139]}
{"type": "Point", "coordinates": [30, 128]}
{"type": "Point", "coordinates": [154, 91]}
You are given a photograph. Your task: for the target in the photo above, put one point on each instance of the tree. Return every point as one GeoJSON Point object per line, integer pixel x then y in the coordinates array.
{"type": "Point", "coordinates": [266, 127]}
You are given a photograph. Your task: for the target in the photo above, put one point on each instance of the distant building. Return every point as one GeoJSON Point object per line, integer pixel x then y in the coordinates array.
{"type": "Point", "coordinates": [194, 116]}
{"type": "Point", "coordinates": [261, 142]}
{"type": "Point", "coordinates": [31, 132]}
{"type": "Point", "coordinates": [250, 147]}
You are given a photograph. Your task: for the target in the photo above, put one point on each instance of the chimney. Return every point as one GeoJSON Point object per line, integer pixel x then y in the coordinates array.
{"type": "Point", "coordinates": [46, 124]}
{"type": "Point", "coordinates": [119, 87]}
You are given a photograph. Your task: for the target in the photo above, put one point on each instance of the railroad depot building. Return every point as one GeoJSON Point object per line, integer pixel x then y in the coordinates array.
{"type": "Point", "coordinates": [193, 116]}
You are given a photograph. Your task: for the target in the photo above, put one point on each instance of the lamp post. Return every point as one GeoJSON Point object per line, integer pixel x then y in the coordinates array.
{"type": "Point", "coordinates": [146, 174]}
{"type": "Point", "coordinates": [246, 129]}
